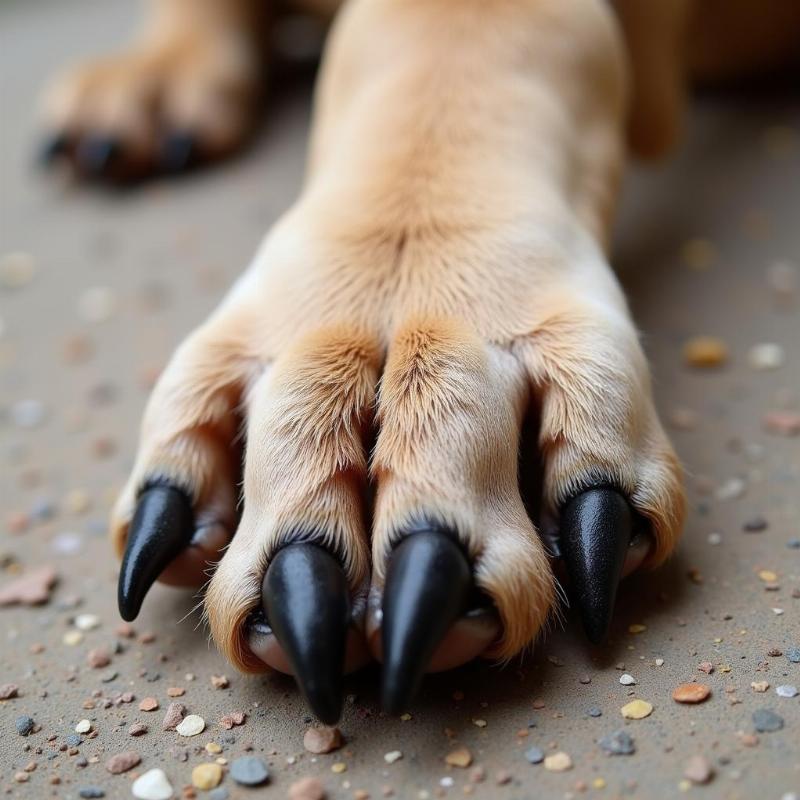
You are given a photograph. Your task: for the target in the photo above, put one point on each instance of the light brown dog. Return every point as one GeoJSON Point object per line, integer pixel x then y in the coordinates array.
{"type": "Point", "coordinates": [445, 267]}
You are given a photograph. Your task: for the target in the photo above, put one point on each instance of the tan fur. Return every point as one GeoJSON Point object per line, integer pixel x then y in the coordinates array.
{"type": "Point", "coordinates": [447, 259]}
{"type": "Point", "coordinates": [444, 265]}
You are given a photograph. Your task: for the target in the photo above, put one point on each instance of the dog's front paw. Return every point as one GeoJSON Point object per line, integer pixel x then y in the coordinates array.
{"type": "Point", "coordinates": [172, 102]}
{"type": "Point", "coordinates": [407, 433]}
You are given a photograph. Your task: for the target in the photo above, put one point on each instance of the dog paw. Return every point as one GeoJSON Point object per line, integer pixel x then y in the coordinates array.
{"type": "Point", "coordinates": [382, 514]}
{"type": "Point", "coordinates": [176, 100]}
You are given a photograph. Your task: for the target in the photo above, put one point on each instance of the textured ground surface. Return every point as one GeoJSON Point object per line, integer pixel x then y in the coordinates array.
{"type": "Point", "coordinates": [162, 256]}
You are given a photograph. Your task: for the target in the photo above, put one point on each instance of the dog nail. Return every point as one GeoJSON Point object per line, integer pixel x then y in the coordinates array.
{"type": "Point", "coordinates": [96, 154]}
{"type": "Point", "coordinates": [428, 583]}
{"type": "Point", "coordinates": [596, 529]}
{"type": "Point", "coordinates": [161, 528]}
{"type": "Point", "coordinates": [52, 148]}
{"type": "Point", "coordinates": [178, 152]}
{"type": "Point", "coordinates": [307, 604]}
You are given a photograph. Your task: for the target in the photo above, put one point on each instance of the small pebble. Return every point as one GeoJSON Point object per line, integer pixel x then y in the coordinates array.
{"type": "Point", "coordinates": [782, 423]}
{"type": "Point", "coordinates": [152, 785]}
{"type": "Point", "coordinates": [786, 690]}
{"type": "Point", "coordinates": [594, 711]}
{"type": "Point", "coordinates": [17, 269]}
{"type": "Point", "coordinates": [627, 680]}
{"type": "Point", "coordinates": [533, 755]}
{"type": "Point", "coordinates": [759, 686]}
{"type": "Point", "coordinates": [24, 725]}
{"type": "Point", "coordinates": [29, 413]}
{"type": "Point", "coordinates": [249, 771]}
{"type": "Point", "coordinates": [97, 304]}
{"type": "Point", "coordinates": [705, 352]}
{"type": "Point", "coordinates": [766, 721]}
{"type": "Point", "coordinates": [32, 588]}
{"type": "Point", "coordinates": [87, 622]}
{"type": "Point", "coordinates": [98, 658]}
{"type": "Point", "coordinates": [766, 356]}
{"type": "Point", "coordinates": [191, 725]}
{"type": "Point", "coordinates": [91, 792]}
{"type": "Point", "coordinates": [698, 770]}
{"type": "Point", "coordinates": [148, 704]}
{"type": "Point", "coordinates": [84, 726]}
{"type": "Point", "coordinates": [322, 739]}
{"type": "Point", "coordinates": [392, 756]}
{"type": "Point", "coordinates": [137, 729]}
{"type": "Point", "coordinates": [461, 757]}
{"type": "Point", "coordinates": [206, 776]}
{"type": "Point", "coordinates": [558, 762]}
{"type": "Point", "coordinates": [618, 743]}
{"type": "Point", "coordinates": [636, 709]}
{"type": "Point", "coordinates": [174, 715]}
{"type": "Point", "coordinates": [793, 654]}
{"type": "Point", "coordinates": [307, 789]}
{"type": "Point", "coordinates": [637, 627]}
{"type": "Point", "coordinates": [691, 693]}
{"type": "Point", "coordinates": [8, 691]}
{"type": "Point", "coordinates": [122, 762]}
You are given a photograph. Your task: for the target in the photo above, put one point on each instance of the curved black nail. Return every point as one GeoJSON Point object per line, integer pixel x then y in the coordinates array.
{"type": "Point", "coordinates": [96, 154]}
{"type": "Point", "coordinates": [428, 585]}
{"type": "Point", "coordinates": [178, 152]}
{"type": "Point", "coordinates": [53, 147]}
{"type": "Point", "coordinates": [596, 529]}
{"type": "Point", "coordinates": [307, 603]}
{"type": "Point", "coordinates": [161, 528]}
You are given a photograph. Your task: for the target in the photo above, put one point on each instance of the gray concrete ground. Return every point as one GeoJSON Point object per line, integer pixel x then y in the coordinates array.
{"type": "Point", "coordinates": [163, 254]}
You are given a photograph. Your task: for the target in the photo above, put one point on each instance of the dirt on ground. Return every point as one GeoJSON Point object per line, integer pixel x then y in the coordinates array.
{"type": "Point", "coordinates": [98, 287]}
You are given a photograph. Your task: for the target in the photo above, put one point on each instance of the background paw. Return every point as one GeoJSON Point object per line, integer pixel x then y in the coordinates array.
{"type": "Point", "coordinates": [159, 108]}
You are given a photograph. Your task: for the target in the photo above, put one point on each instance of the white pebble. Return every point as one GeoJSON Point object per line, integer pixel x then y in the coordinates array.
{"type": "Point", "coordinates": [767, 355]}
{"type": "Point", "coordinates": [67, 544]}
{"type": "Point", "coordinates": [84, 726]}
{"type": "Point", "coordinates": [659, 662]}
{"type": "Point", "coordinates": [153, 785]}
{"type": "Point", "coordinates": [87, 622]}
{"type": "Point", "coordinates": [16, 269]}
{"type": "Point", "coordinates": [392, 756]}
{"type": "Point", "coordinates": [191, 725]}
{"type": "Point", "coordinates": [777, 611]}
{"type": "Point", "coordinates": [97, 304]}
{"type": "Point", "coordinates": [447, 782]}
{"type": "Point", "coordinates": [28, 413]}
{"type": "Point", "coordinates": [732, 489]}
{"type": "Point", "coordinates": [627, 680]}
{"type": "Point", "coordinates": [715, 538]}
{"type": "Point", "coordinates": [786, 690]}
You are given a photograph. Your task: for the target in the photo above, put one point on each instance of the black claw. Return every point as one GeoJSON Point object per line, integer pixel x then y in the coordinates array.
{"type": "Point", "coordinates": [307, 603]}
{"type": "Point", "coordinates": [161, 528]}
{"type": "Point", "coordinates": [428, 585]}
{"type": "Point", "coordinates": [96, 154]}
{"type": "Point", "coordinates": [178, 152]}
{"type": "Point", "coordinates": [596, 529]}
{"type": "Point", "coordinates": [52, 148]}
